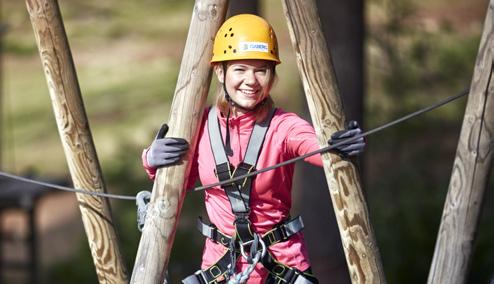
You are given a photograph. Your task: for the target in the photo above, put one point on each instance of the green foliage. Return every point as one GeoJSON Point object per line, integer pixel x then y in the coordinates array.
{"type": "Point", "coordinates": [409, 166]}
{"type": "Point", "coordinates": [79, 270]}
{"type": "Point", "coordinates": [127, 56]}
{"type": "Point", "coordinates": [20, 48]}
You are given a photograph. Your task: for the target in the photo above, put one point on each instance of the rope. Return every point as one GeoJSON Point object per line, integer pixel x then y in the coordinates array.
{"type": "Point", "coordinates": [243, 276]}
{"type": "Point", "coordinates": [331, 147]}
{"type": "Point", "coordinates": [232, 180]}
{"type": "Point", "coordinates": [65, 188]}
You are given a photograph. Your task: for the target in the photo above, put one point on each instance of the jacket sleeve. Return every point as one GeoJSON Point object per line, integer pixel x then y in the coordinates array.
{"type": "Point", "coordinates": [150, 171]}
{"type": "Point", "coordinates": [301, 139]}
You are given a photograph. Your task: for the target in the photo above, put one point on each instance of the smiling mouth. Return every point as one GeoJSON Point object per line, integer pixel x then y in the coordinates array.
{"type": "Point", "coordinates": [249, 93]}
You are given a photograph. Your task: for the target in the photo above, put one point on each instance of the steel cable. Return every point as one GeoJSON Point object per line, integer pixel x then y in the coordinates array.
{"type": "Point", "coordinates": [232, 180]}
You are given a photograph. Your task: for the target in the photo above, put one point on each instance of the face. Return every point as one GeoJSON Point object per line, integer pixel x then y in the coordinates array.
{"type": "Point", "coordinates": [248, 82]}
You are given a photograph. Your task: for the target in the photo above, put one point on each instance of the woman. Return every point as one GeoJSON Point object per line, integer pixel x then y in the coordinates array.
{"type": "Point", "coordinates": [244, 132]}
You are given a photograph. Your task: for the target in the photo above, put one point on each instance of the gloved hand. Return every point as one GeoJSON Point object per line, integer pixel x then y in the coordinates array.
{"type": "Point", "coordinates": [351, 148]}
{"type": "Point", "coordinates": [165, 151]}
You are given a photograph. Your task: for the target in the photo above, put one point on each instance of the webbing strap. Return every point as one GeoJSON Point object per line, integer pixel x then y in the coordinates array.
{"type": "Point", "coordinates": [238, 194]}
{"type": "Point", "coordinates": [255, 141]}
{"type": "Point", "coordinates": [279, 233]}
{"type": "Point", "coordinates": [280, 273]}
{"type": "Point", "coordinates": [215, 138]}
{"type": "Point", "coordinates": [257, 138]}
{"type": "Point", "coordinates": [216, 273]}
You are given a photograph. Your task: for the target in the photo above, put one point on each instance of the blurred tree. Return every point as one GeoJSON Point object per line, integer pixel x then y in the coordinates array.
{"type": "Point", "coordinates": [343, 27]}
{"type": "Point", "coordinates": [243, 7]}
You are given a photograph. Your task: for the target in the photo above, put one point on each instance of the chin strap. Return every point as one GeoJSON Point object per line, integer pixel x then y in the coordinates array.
{"type": "Point", "coordinates": [232, 103]}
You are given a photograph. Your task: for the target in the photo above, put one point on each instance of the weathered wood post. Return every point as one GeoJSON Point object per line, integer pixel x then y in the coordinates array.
{"type": "Point", "coordinates": [318, 77]}
{"type": "Point", "coordinates": [76, 138]}
{"type": "Point", "coordinates": [471, 170]}
{"type": "Point", "coordinates": [186, 113]}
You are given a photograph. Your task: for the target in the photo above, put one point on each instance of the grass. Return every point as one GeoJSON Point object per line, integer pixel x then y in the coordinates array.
{"type": "Point", "coordinates": [127, 56]}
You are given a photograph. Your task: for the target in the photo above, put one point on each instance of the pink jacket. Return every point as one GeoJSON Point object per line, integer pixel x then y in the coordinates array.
{"type": "Point", "coordinates": [288, 136]}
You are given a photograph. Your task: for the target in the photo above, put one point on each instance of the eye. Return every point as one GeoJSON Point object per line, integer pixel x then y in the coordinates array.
{"type": "Point", "coordinates": [262, 71]}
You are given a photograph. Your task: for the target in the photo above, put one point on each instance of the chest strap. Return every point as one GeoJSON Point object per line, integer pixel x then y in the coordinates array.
{"type": "Point", "coordinates": [239, 192]}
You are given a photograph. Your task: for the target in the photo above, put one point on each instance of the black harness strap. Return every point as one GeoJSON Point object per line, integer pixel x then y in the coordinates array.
{"type": "Point", "coordinates": [279, 233]}
{"type": "Point", "coordinates": [216, 273]}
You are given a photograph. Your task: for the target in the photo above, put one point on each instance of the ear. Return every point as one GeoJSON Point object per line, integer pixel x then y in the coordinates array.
{"type": "Point", "coordinates": [218, 70]}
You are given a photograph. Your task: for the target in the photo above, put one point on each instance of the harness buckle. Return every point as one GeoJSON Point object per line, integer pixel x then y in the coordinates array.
{"type": "Point", "coordinates": [242, 217]}
{"type": "Point", "coordinates": [223, 170]}
{"type": "Point", "coordinates": [254, 243]}
{"type": "Point", "coordinates": [201, 276]}
{"type": "Point", "coordinates": [283, 231]}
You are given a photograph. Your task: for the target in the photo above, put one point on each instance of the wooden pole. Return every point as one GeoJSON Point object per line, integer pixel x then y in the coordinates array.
{"type": "Point", "coordinates": [318, 77]}
{"type": "Point", "coordinates": [186, 113]}
{"type": "Point", "coordinates": [76, 138]}
{"type": "Point", "coordinates": [471, 170]}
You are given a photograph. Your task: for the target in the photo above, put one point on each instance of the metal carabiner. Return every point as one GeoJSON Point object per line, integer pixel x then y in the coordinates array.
{"type": "Point", "coordinates": [142, 201]}
{"type": "Point", "coordinates": [254, 244]}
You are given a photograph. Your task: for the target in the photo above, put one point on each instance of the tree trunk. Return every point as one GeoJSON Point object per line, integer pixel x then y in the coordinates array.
{"type": "Point", "coordinates": [243, 7]}
{"type": "Point", "coordinates": [77, 142]}
{"type": "Point", "coordinates": [471, 170]}
{"type": "Point", "coordinates": [186, 113]}
{"type": "Point", "coordinates": [316, 71]}
{"type": "Point", "coordinates": [343, 27]}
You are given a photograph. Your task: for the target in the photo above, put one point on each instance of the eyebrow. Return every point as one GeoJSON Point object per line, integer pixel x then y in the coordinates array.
{"type": "Point", "coordinates": [246, 65]}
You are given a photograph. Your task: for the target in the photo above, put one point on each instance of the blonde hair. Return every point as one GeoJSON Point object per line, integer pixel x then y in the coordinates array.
{"type": "Point", "coordinates": [260, 110]}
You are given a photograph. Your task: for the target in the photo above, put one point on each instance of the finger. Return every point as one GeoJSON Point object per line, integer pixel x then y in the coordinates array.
{"type": "Point", "coordinates": [175, 140]}
{"type": "Point", "coordinates": [346, 141]}
{"type": "Point", "coordinates": [346, 133]}
{"type": "Point", "coordinates": [353, 147]}
{"type": "Point", "coordinates": [352, 124]}
{"type": "Point", "coordinates": [174, 148]}
{"type": "Point", "coordinates": [354, 153]}
{"type": "Point", "coordinates": [337, 134]}
{"type": "Point", "coordinates": [171, 160]}
{"type": "Point", "coordinates": [162, 132]}
{"type": "Point", "coordinates": [170, 142]}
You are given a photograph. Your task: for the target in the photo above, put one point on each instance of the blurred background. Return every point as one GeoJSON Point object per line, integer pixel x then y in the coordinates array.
{"type": "Point", "coordinates": [391, 57]}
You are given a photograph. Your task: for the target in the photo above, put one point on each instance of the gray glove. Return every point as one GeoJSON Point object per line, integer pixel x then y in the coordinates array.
{"type": "Point", "coordinates": [166, 151]}
{"type": "Point", "coordinates": [350, 148]}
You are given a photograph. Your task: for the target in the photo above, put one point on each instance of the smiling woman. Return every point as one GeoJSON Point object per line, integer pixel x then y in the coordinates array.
{"type": "Point", "coordinates": [244, 131]}
{"type": "Point", "coordinates": [246, 85]}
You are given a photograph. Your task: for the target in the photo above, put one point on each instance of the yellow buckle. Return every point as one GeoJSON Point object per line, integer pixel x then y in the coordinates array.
{"type": "Point", "coordinates": [215, 271]}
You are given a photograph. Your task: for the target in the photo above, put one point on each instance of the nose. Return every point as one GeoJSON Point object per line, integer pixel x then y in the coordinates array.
{"type": "Point", "coordinates": [250, 78]}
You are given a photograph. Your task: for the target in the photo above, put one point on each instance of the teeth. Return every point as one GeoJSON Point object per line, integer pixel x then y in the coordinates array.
{"type": "Point", "coordinates": [248, 92]}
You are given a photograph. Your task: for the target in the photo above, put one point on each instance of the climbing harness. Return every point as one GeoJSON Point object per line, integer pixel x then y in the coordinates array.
{"type": "Point", "coordinates": [245, 238]}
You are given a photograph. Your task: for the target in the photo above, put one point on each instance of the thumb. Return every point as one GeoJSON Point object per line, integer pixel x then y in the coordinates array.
{"type": "Point", "coordinates": [162, 132]}
{"type": "Point", "coordinates": [352, 124]}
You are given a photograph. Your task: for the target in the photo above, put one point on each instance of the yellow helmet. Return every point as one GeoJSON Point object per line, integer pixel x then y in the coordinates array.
{"type": "Point", "coordinates": [245, 36]}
